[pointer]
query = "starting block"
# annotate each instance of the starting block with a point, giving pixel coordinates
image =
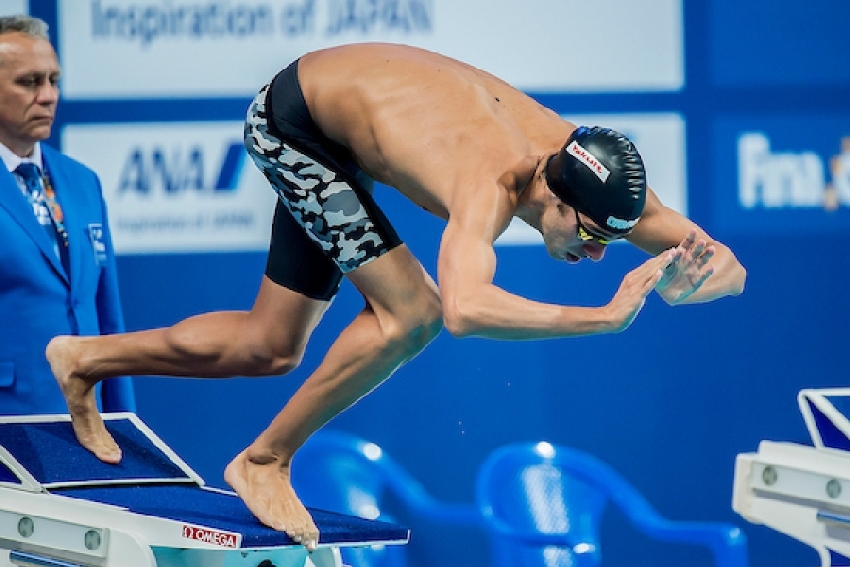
(62, 507)
(800, 490)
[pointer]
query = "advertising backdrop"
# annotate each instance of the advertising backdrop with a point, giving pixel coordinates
(230, 48)
(176, 186)
(742, 112)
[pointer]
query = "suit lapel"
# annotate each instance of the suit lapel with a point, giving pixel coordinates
(20, 209)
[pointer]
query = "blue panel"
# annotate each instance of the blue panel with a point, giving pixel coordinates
(841, 403)
(233, 161)
(838, 560)
(777, 43)
(6, 475)
(50, 453)
(830, 435)
(782, 175)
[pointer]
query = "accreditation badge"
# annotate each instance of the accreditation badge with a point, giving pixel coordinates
(98, 246)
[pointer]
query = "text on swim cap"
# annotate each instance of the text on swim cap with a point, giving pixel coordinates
(585, 157)
(620, 224)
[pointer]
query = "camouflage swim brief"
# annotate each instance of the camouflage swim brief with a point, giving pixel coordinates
(326, 221)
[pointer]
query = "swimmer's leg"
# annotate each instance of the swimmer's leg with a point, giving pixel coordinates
(79, 391)
(402, 315)
(268, 340)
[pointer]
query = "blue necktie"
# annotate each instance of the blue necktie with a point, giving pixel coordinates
(31, 175)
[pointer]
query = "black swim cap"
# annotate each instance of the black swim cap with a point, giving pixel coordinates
(600, 173)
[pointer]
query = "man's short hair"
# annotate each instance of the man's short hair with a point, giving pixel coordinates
(35, 27)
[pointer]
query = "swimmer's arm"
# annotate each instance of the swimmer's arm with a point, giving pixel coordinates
(474, 306)
(661, 228)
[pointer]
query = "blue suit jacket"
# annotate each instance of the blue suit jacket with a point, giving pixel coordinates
(37, 300)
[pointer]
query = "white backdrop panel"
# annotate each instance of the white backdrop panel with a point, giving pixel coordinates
(12, 7)
(176, 187)
(186, 48)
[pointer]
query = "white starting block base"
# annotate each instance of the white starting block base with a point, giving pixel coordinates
(803, 491)
(61, 507)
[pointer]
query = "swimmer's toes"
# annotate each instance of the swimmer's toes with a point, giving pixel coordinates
(102, 445)
(307, 537)
(110, 452)
(105, 451)
(111, 457)
(311, 541)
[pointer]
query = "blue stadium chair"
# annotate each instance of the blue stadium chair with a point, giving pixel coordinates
(543, 506)
(342, 473)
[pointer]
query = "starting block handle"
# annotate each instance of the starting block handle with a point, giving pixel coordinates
(24, 559)
(834, 519)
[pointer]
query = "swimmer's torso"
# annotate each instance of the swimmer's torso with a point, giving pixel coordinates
(426, 124)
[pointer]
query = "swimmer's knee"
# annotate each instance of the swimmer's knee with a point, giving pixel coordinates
(184, 341)
(432, 319)
(266, 357)
(414, 330)
(248, 352)
(417, 336)
(282, 363)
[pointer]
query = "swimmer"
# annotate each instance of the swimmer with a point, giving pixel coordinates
(466, 147)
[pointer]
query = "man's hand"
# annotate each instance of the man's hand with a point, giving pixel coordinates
(631, 296)
(686, 274)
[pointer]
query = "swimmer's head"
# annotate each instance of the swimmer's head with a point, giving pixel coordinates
(600, 173)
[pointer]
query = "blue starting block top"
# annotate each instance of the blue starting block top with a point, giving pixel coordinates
(49, 452)
(225, 511)
(826, 412)
(41, 454)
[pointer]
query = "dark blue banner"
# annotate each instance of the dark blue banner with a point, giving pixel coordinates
(782, 175)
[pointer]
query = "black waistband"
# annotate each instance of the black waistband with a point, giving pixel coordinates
(290, 120)
(287, 107)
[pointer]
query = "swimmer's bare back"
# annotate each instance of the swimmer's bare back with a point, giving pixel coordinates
(422, 122)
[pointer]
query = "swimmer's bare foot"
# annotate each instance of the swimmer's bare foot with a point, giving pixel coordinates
(62, 353)
(263, 484)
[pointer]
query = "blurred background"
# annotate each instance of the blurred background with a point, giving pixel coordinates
(742, 113)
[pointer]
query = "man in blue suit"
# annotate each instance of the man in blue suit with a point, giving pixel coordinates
(57, 266)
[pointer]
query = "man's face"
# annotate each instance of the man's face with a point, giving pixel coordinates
(29, 72)
(570, 236)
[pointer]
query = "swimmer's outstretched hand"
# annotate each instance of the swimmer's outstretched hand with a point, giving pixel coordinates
(631, 296)
(683, 277)
(88, 425)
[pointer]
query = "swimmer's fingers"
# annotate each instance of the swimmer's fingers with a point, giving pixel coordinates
(692, 265)
(631, 296)
(666, 261)
(689, 240)
(704, 275)
(645, 277)
(685, 276)
(654, 269)
(706, 256)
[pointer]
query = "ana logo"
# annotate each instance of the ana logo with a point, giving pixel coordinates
(790, 180)
(178, 169)
(588, 159)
